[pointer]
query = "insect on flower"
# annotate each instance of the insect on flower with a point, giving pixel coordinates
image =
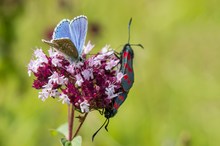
(69, 37)
(126, 61)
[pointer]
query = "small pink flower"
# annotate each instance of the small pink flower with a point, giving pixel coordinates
(88, 74)
(54, 58)
(78, 64)
(64, 98)
(55, 78)
(41, 57)
(106, 51)
(44, 94)
(88, 48)
(79, 80)
(32, 67)
(111, 64)
(110, 91)
(84, 106)
(71, 68)
(96, 61)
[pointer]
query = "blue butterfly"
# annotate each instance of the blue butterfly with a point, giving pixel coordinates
(69, 37)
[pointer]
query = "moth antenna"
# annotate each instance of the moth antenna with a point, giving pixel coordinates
(129, 32)
(129, 26)
(99, 129)
(139, 45)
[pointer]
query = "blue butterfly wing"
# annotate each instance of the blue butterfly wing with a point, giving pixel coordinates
(78, 30)
(62, 30)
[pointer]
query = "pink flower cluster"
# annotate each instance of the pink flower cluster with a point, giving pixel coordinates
(88, 84)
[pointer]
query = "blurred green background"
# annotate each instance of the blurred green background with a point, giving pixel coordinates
(175, 100)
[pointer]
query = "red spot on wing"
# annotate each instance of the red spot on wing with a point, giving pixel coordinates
(126, 65)
(125, 77)
(121, 98)
(125, 54)
(116, 105)
(129, 56)
(129, 82)
(130, 69)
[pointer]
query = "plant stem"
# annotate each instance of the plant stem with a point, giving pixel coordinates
(70, 121)
(83, 119)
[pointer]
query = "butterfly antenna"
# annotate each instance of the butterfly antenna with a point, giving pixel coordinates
(129, 26)
(99, 129)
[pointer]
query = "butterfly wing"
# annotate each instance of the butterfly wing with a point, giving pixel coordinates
(50, 43)
(78, 30)
(61, 40)
(67, 47)
(62, 30)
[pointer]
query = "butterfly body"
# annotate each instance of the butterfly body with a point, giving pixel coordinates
(69, 37)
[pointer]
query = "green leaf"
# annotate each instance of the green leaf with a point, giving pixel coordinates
(68, 143)
(77, 141)
(65, 142)
(62, 129)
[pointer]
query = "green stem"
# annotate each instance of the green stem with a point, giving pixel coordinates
(70, 121)
(83, 119)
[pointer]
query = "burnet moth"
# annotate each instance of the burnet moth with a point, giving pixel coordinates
(126, 61)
